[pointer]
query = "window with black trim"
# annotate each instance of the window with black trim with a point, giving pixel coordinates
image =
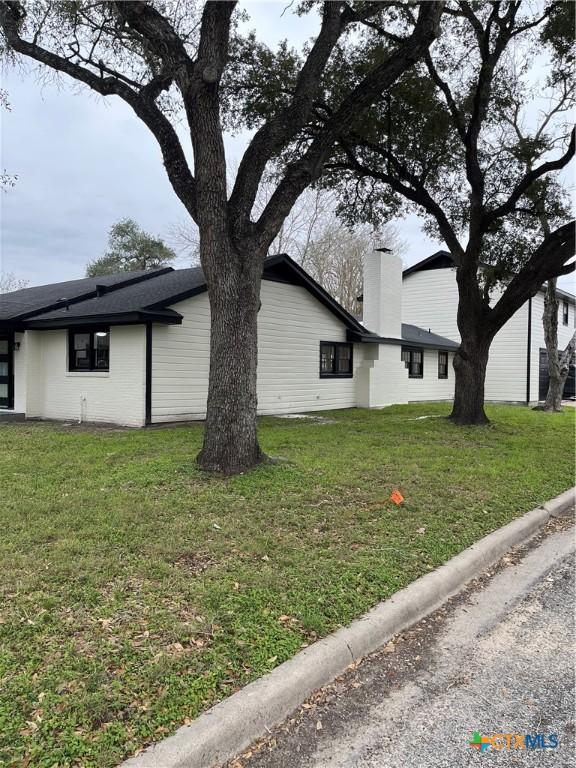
(335, 360)
(565, 312)
(442, 365)
(89, 349)
(413, 358)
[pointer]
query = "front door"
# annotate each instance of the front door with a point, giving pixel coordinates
(6, 371)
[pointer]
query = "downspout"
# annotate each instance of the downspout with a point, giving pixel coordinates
(148, 380)
(529, 351)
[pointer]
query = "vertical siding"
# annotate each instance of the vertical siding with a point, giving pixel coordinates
(117, 396)
(291, 324)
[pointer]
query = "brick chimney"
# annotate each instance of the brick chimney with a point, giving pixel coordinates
(382, 302)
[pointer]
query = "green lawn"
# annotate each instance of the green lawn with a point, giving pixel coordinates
(136, 591)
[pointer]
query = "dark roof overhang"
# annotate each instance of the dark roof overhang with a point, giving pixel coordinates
(166, 317)
(372, 338)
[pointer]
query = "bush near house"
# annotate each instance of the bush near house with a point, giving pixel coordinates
(137, 591)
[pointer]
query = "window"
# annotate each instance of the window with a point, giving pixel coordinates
(89, 349)
(442, 365)
(565, 311)
(335, 360)
(414, 361)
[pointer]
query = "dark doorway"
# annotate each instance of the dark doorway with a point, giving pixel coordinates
(6, 370)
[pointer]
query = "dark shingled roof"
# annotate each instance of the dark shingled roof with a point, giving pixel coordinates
(26, 302)
(138, 297)
(133, 298)
(411, 334)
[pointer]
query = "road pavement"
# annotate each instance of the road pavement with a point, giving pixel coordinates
(498, 659)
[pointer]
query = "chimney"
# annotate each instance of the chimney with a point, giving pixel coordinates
(382, 302)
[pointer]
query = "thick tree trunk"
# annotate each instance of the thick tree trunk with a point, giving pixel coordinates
(230, 436)
(556, 382)
(470, 363)
(471, 359)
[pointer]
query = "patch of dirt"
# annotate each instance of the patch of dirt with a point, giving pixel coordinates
(194, 563)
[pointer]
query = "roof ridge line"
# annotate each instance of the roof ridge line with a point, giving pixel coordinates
(93, 293)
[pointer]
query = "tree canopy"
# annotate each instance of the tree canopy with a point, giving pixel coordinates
(161, 56)
(473, 138)
(130, 249)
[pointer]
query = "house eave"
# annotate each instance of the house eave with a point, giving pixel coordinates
(372, 338)
(122, 318)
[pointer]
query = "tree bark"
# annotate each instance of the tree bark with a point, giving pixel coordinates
(471, 359)
(558, 362)
(553, 400)
(230, 436)
(470, 363)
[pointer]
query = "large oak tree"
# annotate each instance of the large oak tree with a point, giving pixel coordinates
(473, 138)
(158, 56)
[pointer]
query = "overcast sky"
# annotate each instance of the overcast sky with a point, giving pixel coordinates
(83, 162)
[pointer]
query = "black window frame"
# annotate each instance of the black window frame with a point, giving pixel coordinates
(565, 313)
(444, 354)
(334, 374)
(91, 331)
(409, 363)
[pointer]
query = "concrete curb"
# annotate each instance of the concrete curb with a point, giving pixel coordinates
(229, 727)
(563, 505)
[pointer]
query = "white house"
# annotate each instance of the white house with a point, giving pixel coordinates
(517, 367)
(133, 348)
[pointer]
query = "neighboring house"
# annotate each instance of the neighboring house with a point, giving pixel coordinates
(133, 348)
(517, 367)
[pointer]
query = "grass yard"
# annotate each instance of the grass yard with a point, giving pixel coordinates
(137, 592)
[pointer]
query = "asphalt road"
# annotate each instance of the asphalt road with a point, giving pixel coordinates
(498, 659)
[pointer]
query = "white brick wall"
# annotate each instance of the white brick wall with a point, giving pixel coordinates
(52, 392)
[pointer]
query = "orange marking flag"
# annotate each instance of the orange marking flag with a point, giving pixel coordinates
(397, 497)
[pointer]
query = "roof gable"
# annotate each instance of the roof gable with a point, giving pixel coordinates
(444, 260)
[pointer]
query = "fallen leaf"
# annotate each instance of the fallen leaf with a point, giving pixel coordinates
(390, 648)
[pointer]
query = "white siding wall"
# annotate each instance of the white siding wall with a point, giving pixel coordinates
(291, 324)
(20, 372)
(430, 387)
(52, 392)
(430, 300)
